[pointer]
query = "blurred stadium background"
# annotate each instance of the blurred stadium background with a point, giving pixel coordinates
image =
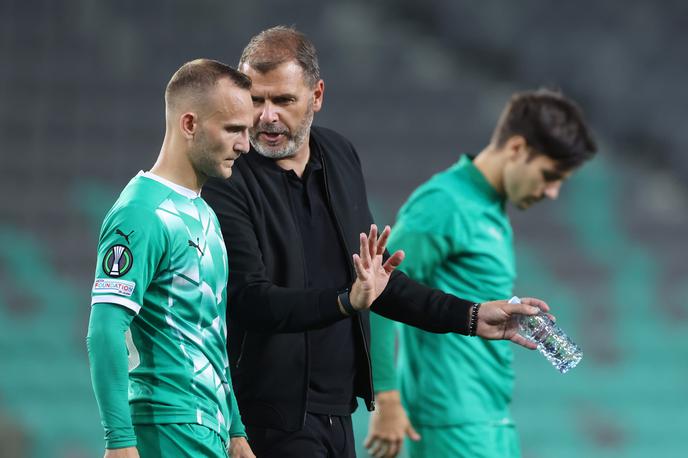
(413, 84)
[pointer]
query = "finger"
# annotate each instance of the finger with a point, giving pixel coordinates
(365, 251)
(382, 451)
(394, 447)
(542, 305)
(412, 433)
(361, 272)
(393, 261)
(518, 309)
(372, 240)
(522, 341)
(382, 241)
(368, 440)
(375, 447)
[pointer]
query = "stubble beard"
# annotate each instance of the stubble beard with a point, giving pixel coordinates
(204, 158)
(294, 142)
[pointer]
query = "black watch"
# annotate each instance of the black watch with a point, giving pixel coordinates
(346, 302)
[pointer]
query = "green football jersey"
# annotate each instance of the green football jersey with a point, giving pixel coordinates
(457, 238)
(161, 254)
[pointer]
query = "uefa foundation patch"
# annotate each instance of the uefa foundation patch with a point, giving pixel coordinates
(121, 287)
(117, 261)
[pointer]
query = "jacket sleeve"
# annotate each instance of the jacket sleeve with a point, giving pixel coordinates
(253, 300)
(412, 303)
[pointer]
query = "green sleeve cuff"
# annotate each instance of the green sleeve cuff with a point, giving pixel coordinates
(236, 427)
(120, 439)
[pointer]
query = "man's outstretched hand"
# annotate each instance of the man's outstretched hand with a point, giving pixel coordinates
(498, 320)
(372, 275)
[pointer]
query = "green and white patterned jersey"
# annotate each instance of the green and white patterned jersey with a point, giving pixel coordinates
(161, 255)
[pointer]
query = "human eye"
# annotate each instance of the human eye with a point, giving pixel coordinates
(550, 176)
(235, 129)
(284, 100)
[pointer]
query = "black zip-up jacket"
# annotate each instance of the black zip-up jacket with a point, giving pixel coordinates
(270, 310)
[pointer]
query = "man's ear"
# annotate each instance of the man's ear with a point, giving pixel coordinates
(188, 124)
(318, 94)
(516, 147)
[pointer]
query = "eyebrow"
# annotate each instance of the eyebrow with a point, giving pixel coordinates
(285, 96)
(236, 127)
(552, 174)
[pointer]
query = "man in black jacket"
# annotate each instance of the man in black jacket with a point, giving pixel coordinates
(292, 214)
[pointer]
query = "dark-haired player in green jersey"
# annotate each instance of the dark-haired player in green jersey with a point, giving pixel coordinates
(457, 237)
(159, 295)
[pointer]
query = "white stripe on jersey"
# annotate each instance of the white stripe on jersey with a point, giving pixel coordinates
(119, 300)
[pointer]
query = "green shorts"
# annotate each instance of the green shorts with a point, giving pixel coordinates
(183, 440)
(470, 441)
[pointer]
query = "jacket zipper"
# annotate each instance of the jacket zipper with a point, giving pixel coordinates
(371, 401)
(340, 232)
(285, 183)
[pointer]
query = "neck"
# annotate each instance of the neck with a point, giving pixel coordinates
(490, 162)
(173, 164)
(298, 161)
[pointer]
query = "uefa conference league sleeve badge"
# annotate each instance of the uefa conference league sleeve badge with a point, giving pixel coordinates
(117, 261)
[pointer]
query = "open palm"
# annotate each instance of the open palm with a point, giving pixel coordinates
(372, 274)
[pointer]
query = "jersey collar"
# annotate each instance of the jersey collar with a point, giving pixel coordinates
(186, 192)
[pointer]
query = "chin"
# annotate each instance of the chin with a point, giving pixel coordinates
(274, 152)
(226, 172)
(221, 172)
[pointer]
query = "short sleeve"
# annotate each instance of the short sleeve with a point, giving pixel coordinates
(131, 247)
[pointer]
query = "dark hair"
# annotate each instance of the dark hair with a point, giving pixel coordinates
(551, 124)
(280, 44)
(199, 75)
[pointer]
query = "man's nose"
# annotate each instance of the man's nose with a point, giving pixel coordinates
(243, 145)
(268, 114)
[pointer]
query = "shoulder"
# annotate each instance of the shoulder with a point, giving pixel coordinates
(323, 134)
(445, 199)
(456, 185)
(143, 194)
(334, 144)
(337, 150)
(138, 204)
(441, 189)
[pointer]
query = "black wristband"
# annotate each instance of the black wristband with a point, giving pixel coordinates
(346, 302)
(473, 324)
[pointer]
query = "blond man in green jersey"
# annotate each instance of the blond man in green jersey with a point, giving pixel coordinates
(457, 237)
(157, 332)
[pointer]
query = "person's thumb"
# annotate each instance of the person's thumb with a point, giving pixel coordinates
(412, 434)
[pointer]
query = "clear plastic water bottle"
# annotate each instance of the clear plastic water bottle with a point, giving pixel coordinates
(552, 342)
